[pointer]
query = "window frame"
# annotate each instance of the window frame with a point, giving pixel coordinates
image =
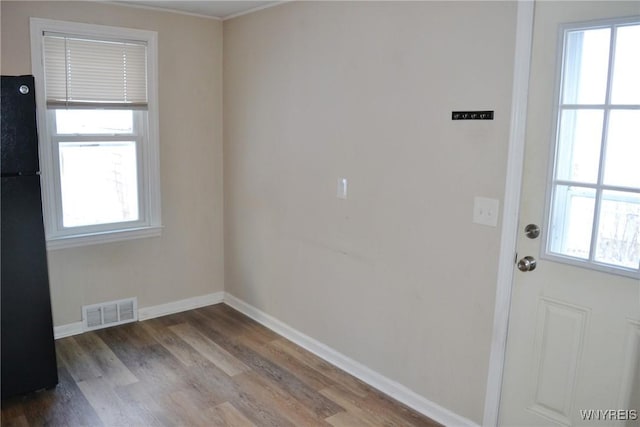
(599, 187)
(147, 144)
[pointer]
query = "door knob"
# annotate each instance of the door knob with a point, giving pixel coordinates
(527, 263)
(532, 231)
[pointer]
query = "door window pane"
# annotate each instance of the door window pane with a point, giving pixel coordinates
(99, 183)
(619, 229)
(626, 68)
(580, 135)
(586, 66)
(595, 188)
(96, 122)
(572, 221)
(622, 161)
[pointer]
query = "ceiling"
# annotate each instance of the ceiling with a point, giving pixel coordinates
(215, 9)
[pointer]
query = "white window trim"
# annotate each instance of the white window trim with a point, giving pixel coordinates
(545, 252)
(152, 224)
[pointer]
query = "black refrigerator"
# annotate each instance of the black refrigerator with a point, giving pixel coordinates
(27, 346)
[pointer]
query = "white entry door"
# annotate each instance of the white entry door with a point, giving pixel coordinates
(573, 346)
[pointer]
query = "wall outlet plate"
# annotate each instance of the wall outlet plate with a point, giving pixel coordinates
(485, 211)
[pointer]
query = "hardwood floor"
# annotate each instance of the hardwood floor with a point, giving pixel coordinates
(212, 367)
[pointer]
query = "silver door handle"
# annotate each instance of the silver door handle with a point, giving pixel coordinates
(527, 263)
(532, 231)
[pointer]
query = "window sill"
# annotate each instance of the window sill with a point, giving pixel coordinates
(104, 237)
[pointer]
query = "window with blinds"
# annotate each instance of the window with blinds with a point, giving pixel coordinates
(94, 73)
(96, 92)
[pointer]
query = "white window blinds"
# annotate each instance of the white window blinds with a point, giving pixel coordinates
(86, 73)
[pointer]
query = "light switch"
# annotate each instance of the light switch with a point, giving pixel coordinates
(485, 211)
(342, 188)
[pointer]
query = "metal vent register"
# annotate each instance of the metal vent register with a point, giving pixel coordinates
(110, 313)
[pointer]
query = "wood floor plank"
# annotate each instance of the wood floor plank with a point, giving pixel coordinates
(169, 320)
(270, 391)
(363, 409)
(243, 325)
(255, 329)
(161, 372)
(231, 417)
(379, 402)
(182, 351)
(237, 330)
(192, 414)
(149, 361)
(112, 368)
(231, 328)
(79, 364)
(60, 406)
(209, 349)
(112, 410)
(207, 385)
(335, 374)
(127, 335)
(353, 408)
(212, 367)
(140, 396)
(347, 419)
(260, 414)
(304, 372)
(70, 406)
(247, 401)
(322, 406)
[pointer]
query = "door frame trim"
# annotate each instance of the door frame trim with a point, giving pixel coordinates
(511, 209)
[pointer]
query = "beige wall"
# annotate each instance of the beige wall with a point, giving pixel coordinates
(396, 277)
(187, 260)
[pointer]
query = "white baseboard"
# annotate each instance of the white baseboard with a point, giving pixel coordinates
(178, 306)
(146, 313)
(68, 330)
(358, 370)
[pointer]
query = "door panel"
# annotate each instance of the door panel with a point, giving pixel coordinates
(558, 346)
(573, 341)
(630, 390)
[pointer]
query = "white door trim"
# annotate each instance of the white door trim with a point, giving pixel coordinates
(511, 209)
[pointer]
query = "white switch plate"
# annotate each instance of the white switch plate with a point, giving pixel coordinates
(342, 188)
(485, 211)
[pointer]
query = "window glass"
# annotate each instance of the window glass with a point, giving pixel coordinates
(579, 138)
(573, 221)
(585, 66)
(98, 122)
(99, 182)
(622, 167)
(626, 69)
(619, 229)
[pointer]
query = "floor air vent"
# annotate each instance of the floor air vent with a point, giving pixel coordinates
(111, 313)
